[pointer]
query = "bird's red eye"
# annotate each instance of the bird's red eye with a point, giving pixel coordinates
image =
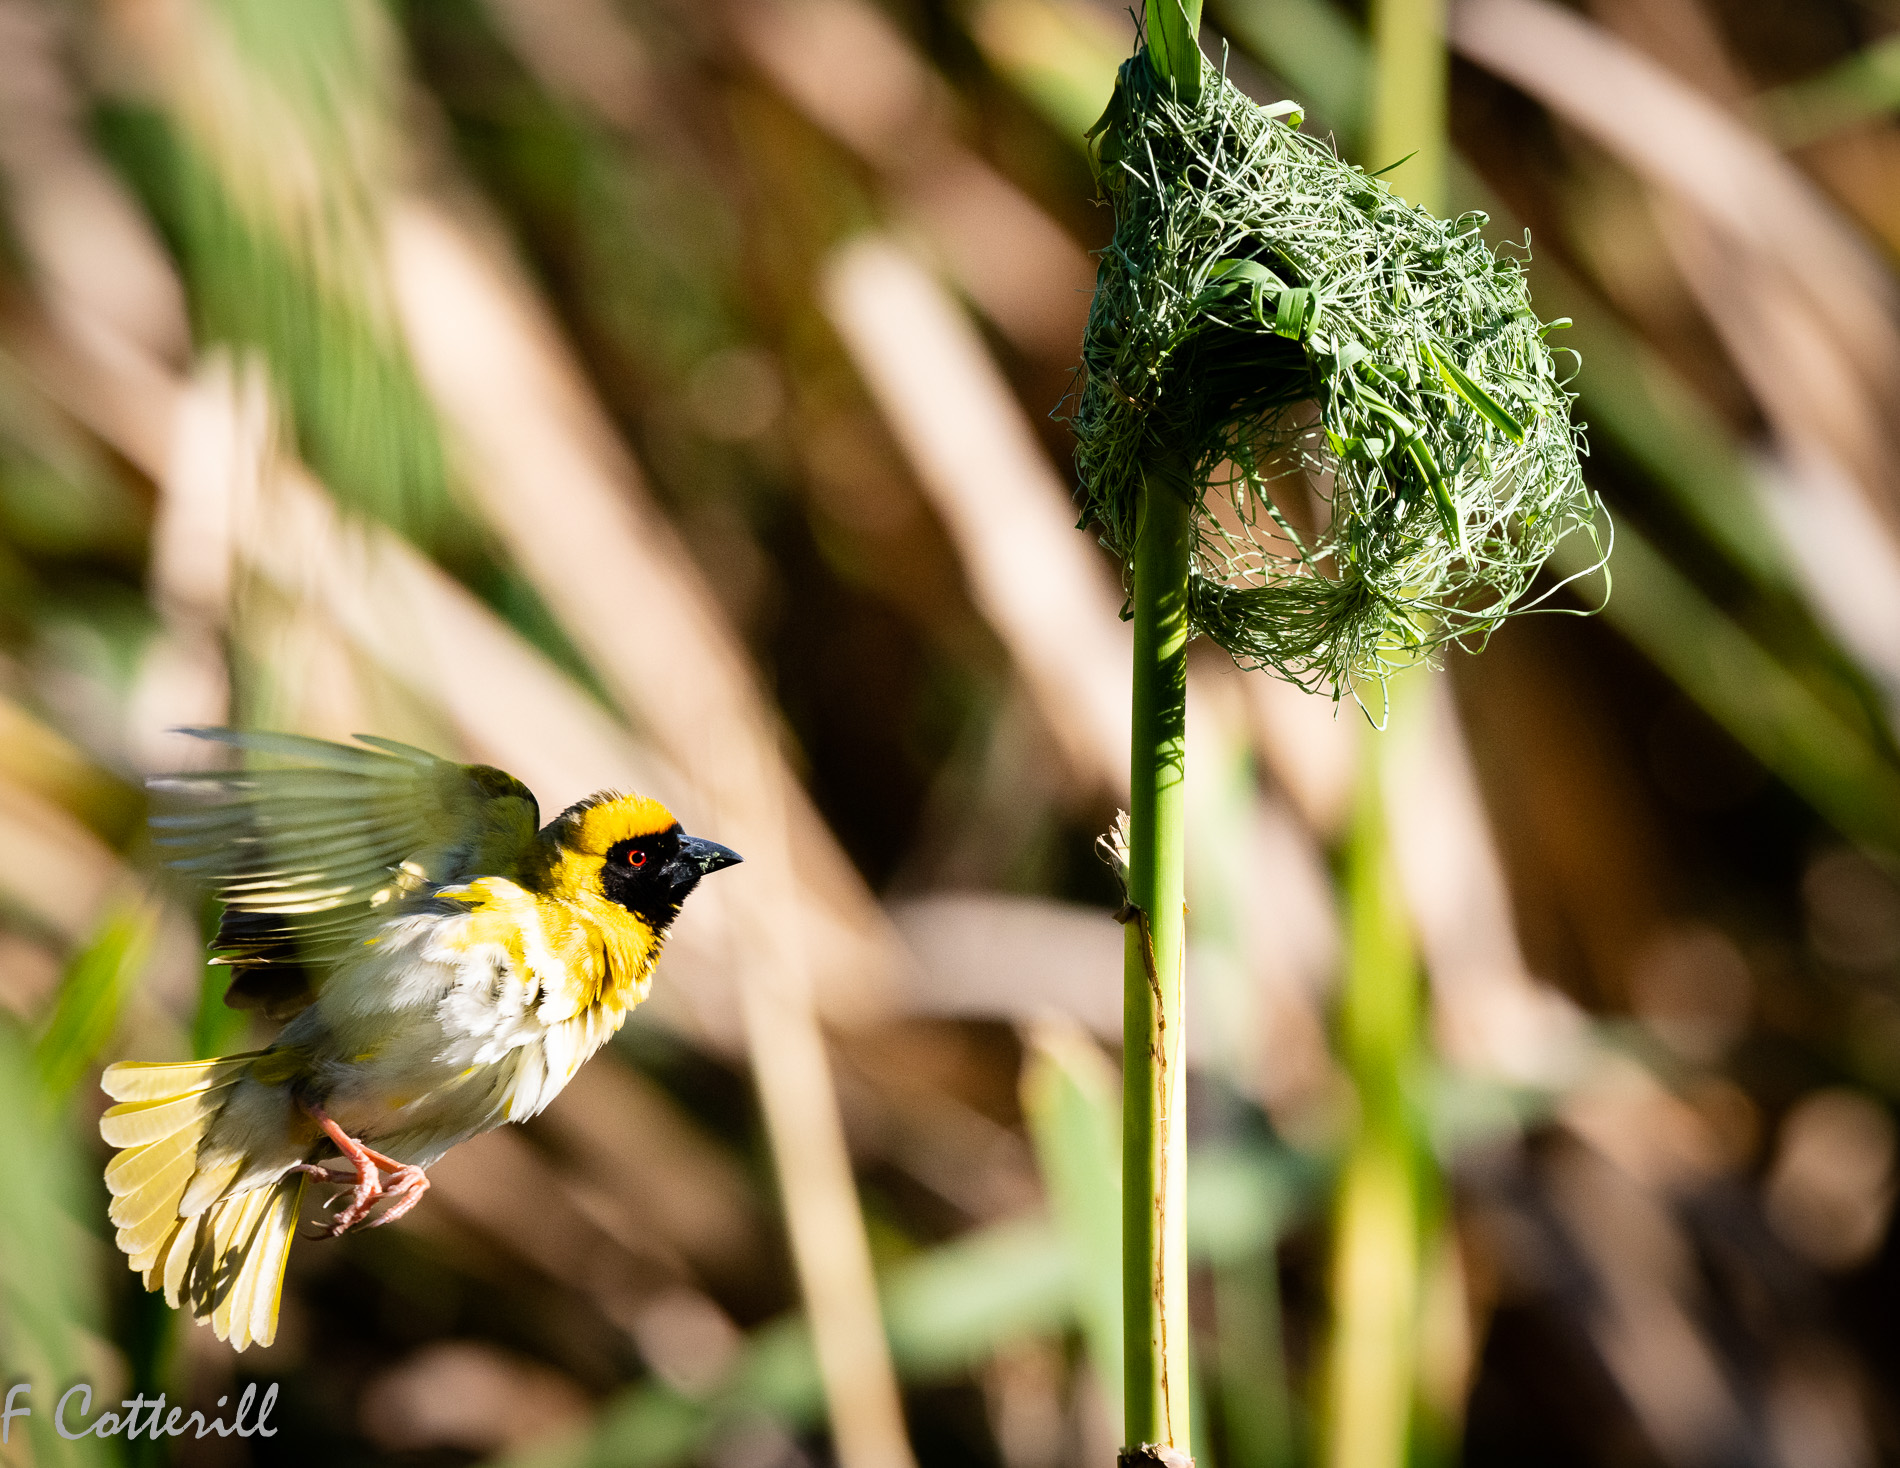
(636, 858)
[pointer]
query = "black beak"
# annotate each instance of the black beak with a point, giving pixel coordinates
(706, 856)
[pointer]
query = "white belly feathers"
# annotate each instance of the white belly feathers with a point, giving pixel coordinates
(474, 1036)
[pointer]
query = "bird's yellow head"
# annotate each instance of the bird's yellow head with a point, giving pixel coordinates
(630, 850)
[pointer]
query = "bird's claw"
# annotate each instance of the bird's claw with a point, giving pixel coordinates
(369, 1187)
(407, 1182)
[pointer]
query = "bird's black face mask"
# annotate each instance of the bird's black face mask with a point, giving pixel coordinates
(651, 875)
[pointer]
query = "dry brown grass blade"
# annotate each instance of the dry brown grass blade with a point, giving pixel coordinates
(822, 1214)
(1645, 1324)
(849, 69)
(1490, 1014)
(582, 50)
(1587, 852)
(1832, 429)
(987, 955)
(1845, 557)
(621, 583)
(300, 151)
(503, 1186)
(577, 1234)
(660, 1172)
(218, 450)
(95, 258)
(44, 762)
(1681, 140)
(1826, 431)
(1686, 145)
(52, 868)
(212, 516)
(1312, 744)
(992, 956)
(510, 704)
(1264, 923)
(1048, 595)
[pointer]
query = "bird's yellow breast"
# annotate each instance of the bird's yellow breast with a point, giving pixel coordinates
(581, 950)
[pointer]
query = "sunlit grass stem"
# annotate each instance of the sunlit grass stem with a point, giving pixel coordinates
(1154, 1082)
(1371, 1360)
(1411, 75)
(1154, 1130)
(1378, 1219)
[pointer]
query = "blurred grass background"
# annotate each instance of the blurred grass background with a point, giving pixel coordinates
(659, 394)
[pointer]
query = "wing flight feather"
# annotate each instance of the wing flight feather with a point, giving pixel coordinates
(307, 846)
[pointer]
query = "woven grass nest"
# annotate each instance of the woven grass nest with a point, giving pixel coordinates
(1355, 394)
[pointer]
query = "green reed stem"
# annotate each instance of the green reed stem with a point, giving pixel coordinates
(1378, 1211)
(1376, 1222)
(1154, 1132)
(1411, 73)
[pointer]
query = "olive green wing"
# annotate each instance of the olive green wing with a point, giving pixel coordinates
(308, 845)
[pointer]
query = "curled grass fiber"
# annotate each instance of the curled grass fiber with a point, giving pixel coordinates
(1355, 394)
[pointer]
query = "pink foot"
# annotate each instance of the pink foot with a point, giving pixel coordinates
(407, 1184)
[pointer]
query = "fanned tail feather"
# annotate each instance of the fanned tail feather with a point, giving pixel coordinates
(226, 1259)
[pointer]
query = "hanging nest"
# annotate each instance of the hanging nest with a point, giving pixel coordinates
(1355, 395)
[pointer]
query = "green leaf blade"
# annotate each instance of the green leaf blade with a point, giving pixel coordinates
(1487, 407)
(1172, 48)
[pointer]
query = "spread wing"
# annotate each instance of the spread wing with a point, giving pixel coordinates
(308, 846)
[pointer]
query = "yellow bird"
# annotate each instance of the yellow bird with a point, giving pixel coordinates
(444, 965)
